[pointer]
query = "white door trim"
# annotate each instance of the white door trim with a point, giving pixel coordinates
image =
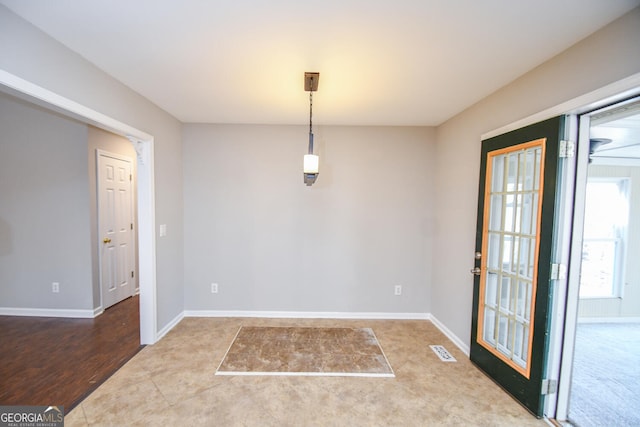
(573, 279)
(144, 143)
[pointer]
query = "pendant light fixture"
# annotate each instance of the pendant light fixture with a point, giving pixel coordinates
(311, 161)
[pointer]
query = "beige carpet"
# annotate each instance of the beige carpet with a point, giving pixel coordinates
(305, 351)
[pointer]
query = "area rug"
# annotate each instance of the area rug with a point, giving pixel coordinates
(349, 352)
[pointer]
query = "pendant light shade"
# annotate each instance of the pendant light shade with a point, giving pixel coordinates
(311, 162)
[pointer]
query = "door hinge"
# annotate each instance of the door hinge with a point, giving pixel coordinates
(130, 177)
(132, 226)
(132, 274)
(549, 387)
(567, 149)
(558, 272)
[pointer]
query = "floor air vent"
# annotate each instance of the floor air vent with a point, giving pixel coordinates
(442, 353)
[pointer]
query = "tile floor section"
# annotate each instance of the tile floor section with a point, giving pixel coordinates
(173, 383)
(268, 350)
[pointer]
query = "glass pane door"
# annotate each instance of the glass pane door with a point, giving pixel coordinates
(507, 285)
(512, 267)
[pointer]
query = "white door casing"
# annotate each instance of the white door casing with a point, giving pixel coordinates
(115, 227)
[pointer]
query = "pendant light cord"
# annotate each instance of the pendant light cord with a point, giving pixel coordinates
(311, 111)
(311, 118)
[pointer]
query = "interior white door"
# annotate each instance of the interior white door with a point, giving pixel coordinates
(115, 227)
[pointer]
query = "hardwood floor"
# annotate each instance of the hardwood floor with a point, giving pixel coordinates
(59, 361)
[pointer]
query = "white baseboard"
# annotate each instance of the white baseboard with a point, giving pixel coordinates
(464, 347)
(169, 326)
(50, 312)
(608, 319)
(306, 315)
(453, 337)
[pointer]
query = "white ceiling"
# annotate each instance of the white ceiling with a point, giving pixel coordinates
(381, 62)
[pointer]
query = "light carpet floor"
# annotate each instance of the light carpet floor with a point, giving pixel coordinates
(173, 383)
(605, 388)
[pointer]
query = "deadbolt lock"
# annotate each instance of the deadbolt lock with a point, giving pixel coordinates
(478, 255)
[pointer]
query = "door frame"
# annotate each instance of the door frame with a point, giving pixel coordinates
(573, 285)
(144, 145)
(573, 276)
(134, 280)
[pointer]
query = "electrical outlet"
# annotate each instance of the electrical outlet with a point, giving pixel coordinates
(55, 287)
(214, 288)
(397, 290)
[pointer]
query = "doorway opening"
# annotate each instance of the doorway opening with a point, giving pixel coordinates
(603, 385)
(144, 146)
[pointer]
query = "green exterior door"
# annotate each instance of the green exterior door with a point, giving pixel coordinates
(514, 242)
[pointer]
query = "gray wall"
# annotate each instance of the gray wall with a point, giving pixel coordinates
(30, 54)
(273, 244)
(608, 55)
(44, 209)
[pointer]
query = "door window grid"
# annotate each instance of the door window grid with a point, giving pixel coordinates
(512, 230)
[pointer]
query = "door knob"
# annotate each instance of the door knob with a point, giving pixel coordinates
(106, 240)
(476, 271)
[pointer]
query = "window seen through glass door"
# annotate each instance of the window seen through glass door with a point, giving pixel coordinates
(605, 233)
